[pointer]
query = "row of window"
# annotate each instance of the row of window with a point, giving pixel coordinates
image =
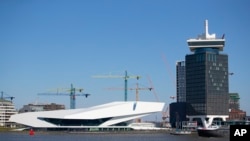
(76, 122)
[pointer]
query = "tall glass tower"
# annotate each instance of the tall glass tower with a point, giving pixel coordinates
(207, 78)
(180, 81)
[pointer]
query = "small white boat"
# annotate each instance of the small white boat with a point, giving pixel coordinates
(184, 128)
(180, 132)
(213, 131)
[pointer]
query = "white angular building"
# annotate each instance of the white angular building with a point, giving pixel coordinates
(110, 115)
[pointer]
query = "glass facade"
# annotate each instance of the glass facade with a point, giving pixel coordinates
(207, 82)
(76, 122)
(208, 43)
(181, 81)
(177, 112)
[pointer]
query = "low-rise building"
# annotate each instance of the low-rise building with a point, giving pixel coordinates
(237, 114)
(7, 109)
(41, 107)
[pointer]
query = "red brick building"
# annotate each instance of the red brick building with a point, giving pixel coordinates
(237, 114)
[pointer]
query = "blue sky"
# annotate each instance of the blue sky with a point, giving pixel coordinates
(50, 44)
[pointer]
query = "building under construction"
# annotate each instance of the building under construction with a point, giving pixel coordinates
(235, 113)
(7, 109)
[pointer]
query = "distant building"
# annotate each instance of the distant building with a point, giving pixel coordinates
(41, 107)
(7, 109)
(237, 114)
(177, 110)
(234, 101)
(181, 81)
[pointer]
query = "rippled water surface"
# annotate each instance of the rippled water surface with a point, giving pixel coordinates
(65, 136)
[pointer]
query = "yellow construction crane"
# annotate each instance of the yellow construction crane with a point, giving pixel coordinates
(136, 89)
(125, 77)
(137, 94)
(151, 84)
(165, 112)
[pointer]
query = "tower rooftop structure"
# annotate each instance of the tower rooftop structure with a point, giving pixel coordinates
(206, 40)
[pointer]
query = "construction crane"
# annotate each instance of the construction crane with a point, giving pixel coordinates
(172, 97)
(168, 69)
(8, 97)
(72, 95)
(137, 94)
(152, 86)
(165, 112)
(125, 77)
(136, 89)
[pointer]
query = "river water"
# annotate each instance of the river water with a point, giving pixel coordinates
(65, 136)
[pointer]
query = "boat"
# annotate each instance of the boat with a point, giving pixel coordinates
(180, 132)
(221, 129)
(213, 131)
(185, 128)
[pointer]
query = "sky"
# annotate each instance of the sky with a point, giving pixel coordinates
(47, 45)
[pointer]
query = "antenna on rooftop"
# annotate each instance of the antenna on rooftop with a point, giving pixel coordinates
(206, 29)
(206, 34)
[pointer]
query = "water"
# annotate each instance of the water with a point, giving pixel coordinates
(64, 136)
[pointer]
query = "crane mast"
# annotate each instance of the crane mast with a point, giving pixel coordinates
(72, 95)
(139, 88)
(125, 77)
(8, 97)
(136, 90)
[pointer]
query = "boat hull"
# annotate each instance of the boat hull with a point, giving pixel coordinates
(181, 132)
(219, 132)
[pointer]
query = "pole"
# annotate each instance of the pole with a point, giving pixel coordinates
(137, 92)
(72, 97)
(126, 86)
(1, 94)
